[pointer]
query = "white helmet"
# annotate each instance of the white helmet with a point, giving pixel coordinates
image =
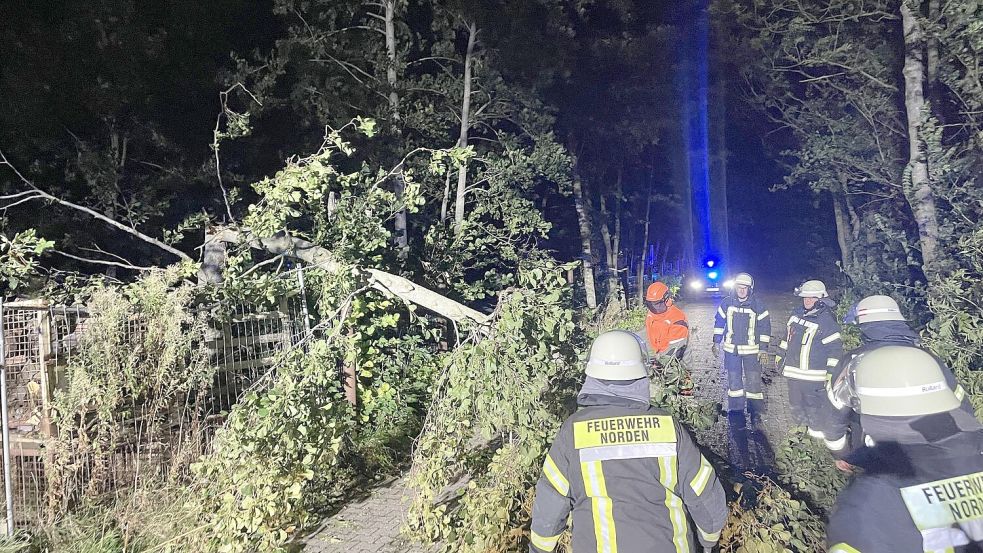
(895, 381)
(617, 355)
(812, 289)
(744, 279)
(873, 309)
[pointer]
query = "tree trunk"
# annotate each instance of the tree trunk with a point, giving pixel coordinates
(842, 228)
(447, 197)
(585, 239)
(387, 283)
(932, 51)
(855, 226)
(610, 235)
(606, 234)
(615, 279)
(214, 253)
(645, 240)
(399, 179)
(919, 193)
(462, 174)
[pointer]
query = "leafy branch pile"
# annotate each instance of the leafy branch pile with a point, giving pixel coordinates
(806, 467)
(496, 406)
(672, 390)
(764, 518)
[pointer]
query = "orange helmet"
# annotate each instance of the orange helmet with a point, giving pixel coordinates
(657, 291)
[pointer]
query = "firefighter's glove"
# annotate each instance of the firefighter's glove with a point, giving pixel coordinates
(763, 357)
(715, 348)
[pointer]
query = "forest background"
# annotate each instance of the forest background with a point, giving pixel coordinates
(481, 150)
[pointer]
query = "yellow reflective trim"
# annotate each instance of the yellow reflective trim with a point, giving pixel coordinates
(751, 324)
(555, 477)
(677, 516)
(601, 506)
(546, 543)
(764, 339)
(755, 395)
(735, 393)
(831, 361)
(728, 338)
(836, 445)
(843, 548)
(639, 429)
(707, 535)
(763, 315)
(831, 338)
(815, 375)
(702, 477)
(959, 392)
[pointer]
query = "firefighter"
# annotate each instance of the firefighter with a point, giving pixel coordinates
(629, 472)
(665, 324)
(742, 325)
(809, 355)
(881, 324)
(926, 494)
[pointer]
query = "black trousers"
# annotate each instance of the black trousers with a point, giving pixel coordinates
(743, 382)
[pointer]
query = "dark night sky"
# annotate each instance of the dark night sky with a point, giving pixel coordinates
(46, 89)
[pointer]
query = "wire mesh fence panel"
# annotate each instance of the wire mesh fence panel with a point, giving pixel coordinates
(25, 365)
(150, 440)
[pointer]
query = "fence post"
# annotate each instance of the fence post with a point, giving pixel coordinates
(303, 300)
(45, 354)
(7, 483)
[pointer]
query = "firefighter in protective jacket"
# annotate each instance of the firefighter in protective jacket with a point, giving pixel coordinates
(809, 356)
(665, 325)
(881, 325)
(742, 325)
(926, 493)
(629, 473)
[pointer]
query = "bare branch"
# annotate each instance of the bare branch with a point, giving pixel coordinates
(97, 249)
(104, 262)
(223, 100)
(41, 194)
(277, 259)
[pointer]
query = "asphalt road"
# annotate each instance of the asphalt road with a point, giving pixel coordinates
(733, 437)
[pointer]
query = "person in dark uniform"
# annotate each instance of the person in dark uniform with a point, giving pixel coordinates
(628, 472)
(926, 491)
(741, 326)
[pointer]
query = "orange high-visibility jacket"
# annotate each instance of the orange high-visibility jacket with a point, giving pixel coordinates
(666, 330)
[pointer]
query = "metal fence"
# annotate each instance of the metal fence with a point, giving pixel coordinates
(37, 345)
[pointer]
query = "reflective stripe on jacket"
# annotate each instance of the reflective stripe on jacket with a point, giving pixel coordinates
(742, 326)
(812, 346)
(630, 475)
(836, 435)
(926, 497)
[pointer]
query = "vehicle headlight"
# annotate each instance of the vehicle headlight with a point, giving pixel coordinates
(728, 284)
(696, 284)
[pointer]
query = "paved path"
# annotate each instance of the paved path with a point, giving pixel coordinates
(372, 524)
(732, 438)
(368, 525)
